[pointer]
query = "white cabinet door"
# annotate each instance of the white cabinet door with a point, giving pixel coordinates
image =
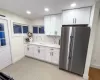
(68, 17)
(53, 24)
(82, 16)
(25, 49)
(36, 52)
(42, 53)
(55, 56)
(30, 50)
(58, 25)
(76, 16)
(47, 25)
(48, 54)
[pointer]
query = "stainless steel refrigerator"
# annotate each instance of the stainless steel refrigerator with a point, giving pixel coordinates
(74, 45)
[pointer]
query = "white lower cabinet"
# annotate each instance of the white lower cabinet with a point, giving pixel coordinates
(47, 54)
(52, 55)
(30, 49)
(55, 56)
(36, 53)
(41, 53)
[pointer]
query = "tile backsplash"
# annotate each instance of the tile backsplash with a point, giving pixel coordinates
(42, 38)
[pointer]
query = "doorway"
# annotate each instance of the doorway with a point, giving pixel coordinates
(5, 51)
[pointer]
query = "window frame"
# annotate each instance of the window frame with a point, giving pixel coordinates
(14, 29)
(3, 36)
(38, 26)
(37, 29)
(19, 34)
(22, 29)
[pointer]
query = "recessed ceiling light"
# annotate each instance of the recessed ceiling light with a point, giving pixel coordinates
(73, 4)
(28, 12)
(46, 9)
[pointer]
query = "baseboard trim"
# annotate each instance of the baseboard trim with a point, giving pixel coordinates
(42, 60)
(95, 66)
(16, 60)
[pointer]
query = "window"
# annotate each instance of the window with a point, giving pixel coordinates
(35, 29)
(38, 29)
(41, 29)
(3, 42)
(1, 27)
(17, 28)
(25, 29)
(2, 35)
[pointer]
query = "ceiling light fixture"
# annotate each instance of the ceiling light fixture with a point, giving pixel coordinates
(28, 12)
(46, 9)
(73, 5)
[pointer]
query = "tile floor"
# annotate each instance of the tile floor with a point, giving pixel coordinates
(30, 69)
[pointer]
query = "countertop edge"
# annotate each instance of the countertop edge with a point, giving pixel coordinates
(43, 45)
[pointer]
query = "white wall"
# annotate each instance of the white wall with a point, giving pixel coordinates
(93, 23)
(39, 21)
(95, 62)
(17, 46)
(96, 50)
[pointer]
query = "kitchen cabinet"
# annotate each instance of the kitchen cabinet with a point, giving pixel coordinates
(30, 49)
(36, 52)
(55, 56)
(76, 16)
(68, 17)
(47, 54)
(58, 25)
(41, 53)
(47, 25)
(53, 24)
(52, 55)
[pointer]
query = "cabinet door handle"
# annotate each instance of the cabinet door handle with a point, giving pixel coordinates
(55, 32)
(38, 51)
(28, 48)
(75, 20)
(52, 53)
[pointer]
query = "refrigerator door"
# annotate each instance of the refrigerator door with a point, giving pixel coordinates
(79, 52)
(65, 45)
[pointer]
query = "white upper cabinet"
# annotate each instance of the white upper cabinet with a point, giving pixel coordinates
(47, 25)
(76, 16)
(58, 25)
(68, 17)
(53, 24)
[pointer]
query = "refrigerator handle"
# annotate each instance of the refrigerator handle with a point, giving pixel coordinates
(71, 46)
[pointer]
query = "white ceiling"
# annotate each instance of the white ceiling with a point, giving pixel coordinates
(37, 6)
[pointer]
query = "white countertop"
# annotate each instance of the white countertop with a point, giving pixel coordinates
(45, 44)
